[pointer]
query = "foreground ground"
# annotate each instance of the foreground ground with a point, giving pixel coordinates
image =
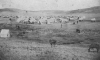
(13, 49)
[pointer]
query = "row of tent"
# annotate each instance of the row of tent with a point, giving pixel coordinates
(53, 19)
(43, 20)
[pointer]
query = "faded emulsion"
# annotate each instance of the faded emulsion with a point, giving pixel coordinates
(49, 29)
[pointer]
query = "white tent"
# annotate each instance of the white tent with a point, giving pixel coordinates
(5, 33)
(32, 20)
(19, 19)
(93, 19)
(42, 20)
(64, 20)
(52, 20)
(82, 18)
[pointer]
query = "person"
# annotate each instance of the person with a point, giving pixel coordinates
(18, 27)
(78, 30)
(61, 25)
(39, 23)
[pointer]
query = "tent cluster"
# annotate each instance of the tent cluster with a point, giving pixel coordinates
(47, 19)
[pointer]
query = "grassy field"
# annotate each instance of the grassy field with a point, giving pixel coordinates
(35, 46)
(24, 50)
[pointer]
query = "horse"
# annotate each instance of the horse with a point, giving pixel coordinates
(52, 42)
(92, 46)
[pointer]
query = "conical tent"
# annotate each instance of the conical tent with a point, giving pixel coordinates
(5, 33)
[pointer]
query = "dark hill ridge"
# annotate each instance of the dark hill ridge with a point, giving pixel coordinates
(10, 10)
(95, 9)
(7, 10)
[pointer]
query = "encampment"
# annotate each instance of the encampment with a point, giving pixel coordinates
(5, 33)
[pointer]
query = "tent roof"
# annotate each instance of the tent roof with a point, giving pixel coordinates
(4, 31)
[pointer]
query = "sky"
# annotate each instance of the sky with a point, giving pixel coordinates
(35, 5)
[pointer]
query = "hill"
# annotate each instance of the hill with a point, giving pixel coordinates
(95, 9)
(10, 10)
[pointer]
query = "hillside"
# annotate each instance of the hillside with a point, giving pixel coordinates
(10, 10)
(87, 10)
(93, 11)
